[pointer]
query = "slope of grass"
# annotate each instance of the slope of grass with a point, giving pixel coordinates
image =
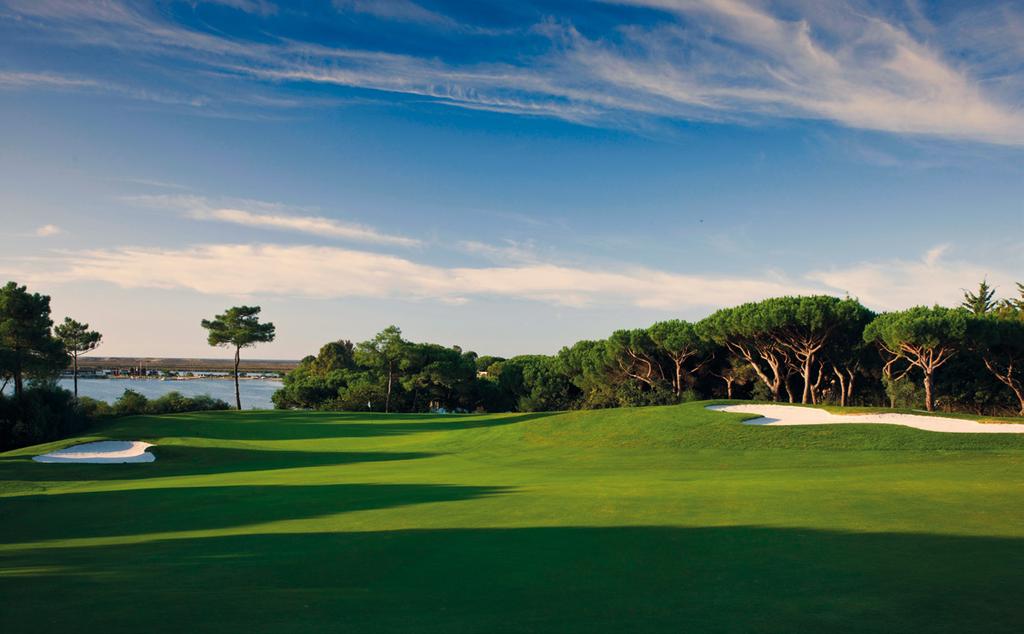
(655, 519)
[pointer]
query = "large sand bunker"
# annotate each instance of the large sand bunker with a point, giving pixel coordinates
(792, 415)
(102, 452)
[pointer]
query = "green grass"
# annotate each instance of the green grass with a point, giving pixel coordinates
(659, 519)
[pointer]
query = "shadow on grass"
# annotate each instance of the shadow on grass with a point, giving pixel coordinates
(291, 425)
(146, 511)
(561, 579)
(179, 460)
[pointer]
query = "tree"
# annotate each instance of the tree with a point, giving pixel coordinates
(999, 341)
(384, 352)
(27, 347)
(1014, 303)
(238, 327)
(847, 354)
(681, 342)
(925, 338)
(733, 371)
(77, 340)
(742, 331)
(981, 302)
(804, 327)
(635, 354)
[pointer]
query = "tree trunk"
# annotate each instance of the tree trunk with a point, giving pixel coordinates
(679, 377)
(387, 399)
(774, 384)
(929, 397)
(842, 385)
(1007, 377)
(816, 387)
(728, 388)
(74, 358)
(807, 379)
(789, 390)
(238, 394)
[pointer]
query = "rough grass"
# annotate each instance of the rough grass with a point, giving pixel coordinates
(655, 519)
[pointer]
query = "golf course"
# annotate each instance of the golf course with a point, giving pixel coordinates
(671, 518)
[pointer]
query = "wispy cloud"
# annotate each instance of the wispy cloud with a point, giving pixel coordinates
(257, 7)
(507, 251)
(47, 231)
(402, 10)
(12, 79)
(259, 214)
(898, 282)
(718, 60)
(308, 271)
(304, 271)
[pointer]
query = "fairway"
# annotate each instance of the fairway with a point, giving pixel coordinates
(668, 519)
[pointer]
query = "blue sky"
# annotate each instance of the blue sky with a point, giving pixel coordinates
(509, 177)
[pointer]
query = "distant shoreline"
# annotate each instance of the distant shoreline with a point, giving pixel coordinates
(185, 364)
(126, 377)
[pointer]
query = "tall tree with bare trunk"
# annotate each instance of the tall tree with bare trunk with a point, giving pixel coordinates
(238, 327)
(684, 346)
(77, 340)
(999, 341)
(925, 338)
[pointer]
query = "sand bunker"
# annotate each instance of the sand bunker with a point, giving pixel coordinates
(792, 415)
(103, 452)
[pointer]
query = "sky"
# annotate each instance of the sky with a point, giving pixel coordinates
(510, 177)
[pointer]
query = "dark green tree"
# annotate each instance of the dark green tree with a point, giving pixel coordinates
(999, 341)
(384, 353)
(1014, 303)
(77, 340)
(684, 346)
(636, 355)
(982, 301)
(27, 347)
(238, 327)
(734, 330)
(925, 338)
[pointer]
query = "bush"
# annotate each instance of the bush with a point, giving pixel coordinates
(94, 408)
(45, 412)
(904, 393)
(132, 403)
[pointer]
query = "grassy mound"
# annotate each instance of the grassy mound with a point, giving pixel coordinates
(655, 519)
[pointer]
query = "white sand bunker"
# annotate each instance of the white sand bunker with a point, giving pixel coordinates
(103, 452)
(792, 415)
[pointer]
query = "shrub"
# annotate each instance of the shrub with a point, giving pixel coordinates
(131, 403)
(94, 408)
(45, 412)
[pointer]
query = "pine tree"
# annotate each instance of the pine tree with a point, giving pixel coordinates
(981, 302)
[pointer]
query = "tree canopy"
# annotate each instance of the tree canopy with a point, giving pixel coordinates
(927, 338)
(238, 327)
(77, 340)
(27, 345)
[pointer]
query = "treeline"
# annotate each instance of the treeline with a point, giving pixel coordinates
(815, 349)
(132, 403)
(33, 352)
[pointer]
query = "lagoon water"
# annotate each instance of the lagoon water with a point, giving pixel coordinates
(255, 393)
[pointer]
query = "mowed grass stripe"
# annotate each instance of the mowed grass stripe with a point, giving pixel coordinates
(654, 519)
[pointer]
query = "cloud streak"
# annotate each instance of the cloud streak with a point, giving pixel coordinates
(319, 272)
(714, 60)
(263, 215)
(330, 273)
(900, 282)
